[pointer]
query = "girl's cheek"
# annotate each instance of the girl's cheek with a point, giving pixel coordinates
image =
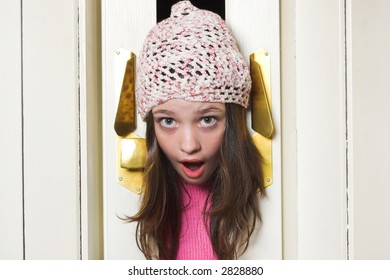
(216, 143)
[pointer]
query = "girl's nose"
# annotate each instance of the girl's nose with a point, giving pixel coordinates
(189, 143)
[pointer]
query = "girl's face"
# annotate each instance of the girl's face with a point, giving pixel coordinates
(190, 134)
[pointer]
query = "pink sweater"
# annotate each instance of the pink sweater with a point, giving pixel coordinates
(195, 243)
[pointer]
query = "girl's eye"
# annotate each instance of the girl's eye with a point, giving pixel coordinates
(208, 121)
(167, 122)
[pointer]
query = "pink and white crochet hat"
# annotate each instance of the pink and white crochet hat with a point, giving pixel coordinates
(192, 55)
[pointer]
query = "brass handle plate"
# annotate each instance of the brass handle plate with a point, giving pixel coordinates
(262, 123)
(131, 149)
(125, 121)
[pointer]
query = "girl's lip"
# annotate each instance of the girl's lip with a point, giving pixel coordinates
(193, 174)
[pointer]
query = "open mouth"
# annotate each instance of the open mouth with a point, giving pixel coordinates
(193, 166)
(193, 169)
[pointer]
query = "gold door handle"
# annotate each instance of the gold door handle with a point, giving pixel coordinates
(131, 149)
(262, 122)
(125, 120)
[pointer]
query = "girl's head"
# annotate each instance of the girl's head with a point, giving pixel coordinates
(193, 56)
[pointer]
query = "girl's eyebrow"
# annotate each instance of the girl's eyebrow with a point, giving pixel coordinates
(210, 109)
(164, 112)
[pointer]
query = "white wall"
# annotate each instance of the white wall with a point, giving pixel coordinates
(44, 117)
(11, 165)
(369, 130)
(335, 138)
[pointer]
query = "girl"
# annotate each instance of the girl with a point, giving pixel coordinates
(203, 170)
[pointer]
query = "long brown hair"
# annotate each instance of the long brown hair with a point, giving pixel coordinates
(234, 207)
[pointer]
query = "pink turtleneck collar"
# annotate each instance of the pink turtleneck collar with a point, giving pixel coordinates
(195, 243)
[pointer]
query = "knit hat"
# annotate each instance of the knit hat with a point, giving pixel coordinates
(192, 55)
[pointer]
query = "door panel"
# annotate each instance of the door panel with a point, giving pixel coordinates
(125, 25)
